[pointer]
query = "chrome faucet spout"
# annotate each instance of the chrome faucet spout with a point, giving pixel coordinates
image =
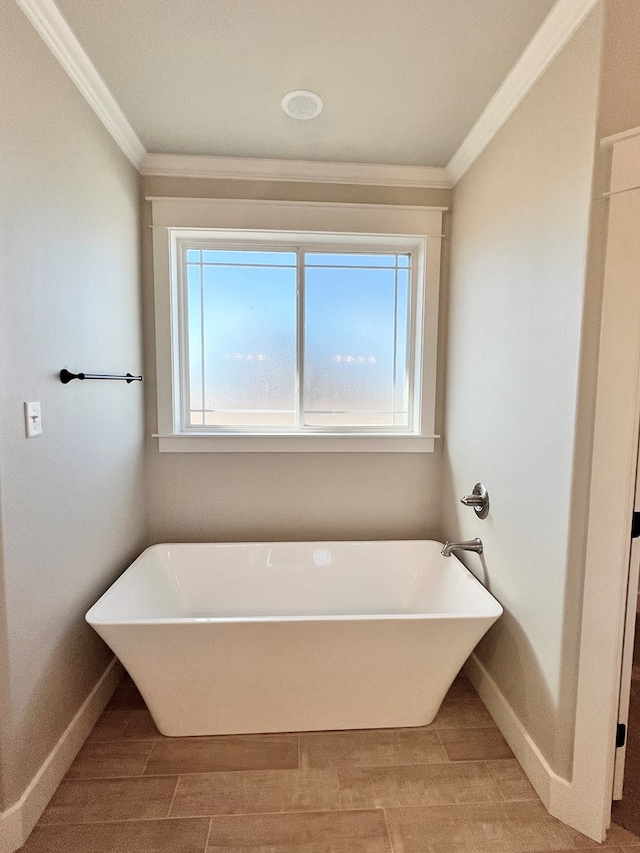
(474, 545)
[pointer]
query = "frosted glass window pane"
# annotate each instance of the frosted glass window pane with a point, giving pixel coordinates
(346, 260)
(194, 320)
(240, 338)
(247, 348)
(218, 256)
(254, 419)
(350, 345)
(402, 349)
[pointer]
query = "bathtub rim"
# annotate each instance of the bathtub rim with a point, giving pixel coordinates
(492, 613)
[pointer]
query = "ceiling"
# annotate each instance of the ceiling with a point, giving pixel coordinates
(403, 81)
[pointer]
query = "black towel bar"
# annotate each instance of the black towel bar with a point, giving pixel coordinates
(66, 376)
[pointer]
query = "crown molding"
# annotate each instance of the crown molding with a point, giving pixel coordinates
(57, 35)
(305, 171)
(561, 23)
(556, 30)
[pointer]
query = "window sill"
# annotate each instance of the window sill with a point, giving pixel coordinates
(296, 443)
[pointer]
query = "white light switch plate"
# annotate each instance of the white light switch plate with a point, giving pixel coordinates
(32, 420)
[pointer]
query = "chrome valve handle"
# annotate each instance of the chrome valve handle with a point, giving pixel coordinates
(478, 499)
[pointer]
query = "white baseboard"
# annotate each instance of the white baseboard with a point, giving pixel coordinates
(17, 822)
(553, 790)
(570, 802)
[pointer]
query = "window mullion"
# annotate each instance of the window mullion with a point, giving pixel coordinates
(203, 345)
(394, 396)
(183, 340)
(300, 340)
(414, 347)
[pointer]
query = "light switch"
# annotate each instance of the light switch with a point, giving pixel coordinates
(33, 420)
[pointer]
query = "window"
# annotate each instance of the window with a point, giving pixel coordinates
(293, 339)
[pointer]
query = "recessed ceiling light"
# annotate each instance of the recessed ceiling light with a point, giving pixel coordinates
(302, 104)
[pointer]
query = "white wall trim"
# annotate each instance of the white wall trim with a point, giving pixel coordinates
(17, 822)
(610, 141)
(57, 35)
(560, 24)
(534, 764)
(268, 221)
(206, 443)
(613, 479)
(299, 171)
(570, 802)
(625, 165)
(173, 203)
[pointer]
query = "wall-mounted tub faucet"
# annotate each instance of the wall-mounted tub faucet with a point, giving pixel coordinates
(474, 545)
(478, 499)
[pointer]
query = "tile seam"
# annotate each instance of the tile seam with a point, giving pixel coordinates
(206, 841)
(443, 747)
(172, 818)
(170, 773)
(175, 791)
(153, 746)
(388, 831)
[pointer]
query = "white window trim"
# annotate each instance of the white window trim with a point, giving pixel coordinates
(326, 221)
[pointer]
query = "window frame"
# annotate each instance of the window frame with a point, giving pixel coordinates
(335, 227)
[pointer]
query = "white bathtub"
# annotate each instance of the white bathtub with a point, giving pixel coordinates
(272, 637)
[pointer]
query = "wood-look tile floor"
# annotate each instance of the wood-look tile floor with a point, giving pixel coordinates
(450, 787)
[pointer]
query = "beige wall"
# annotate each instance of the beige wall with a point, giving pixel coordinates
(517, 296)
(619, 99)
(220, 496)
(71, 502)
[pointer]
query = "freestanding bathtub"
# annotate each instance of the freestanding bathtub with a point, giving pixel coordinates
(272, 637)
